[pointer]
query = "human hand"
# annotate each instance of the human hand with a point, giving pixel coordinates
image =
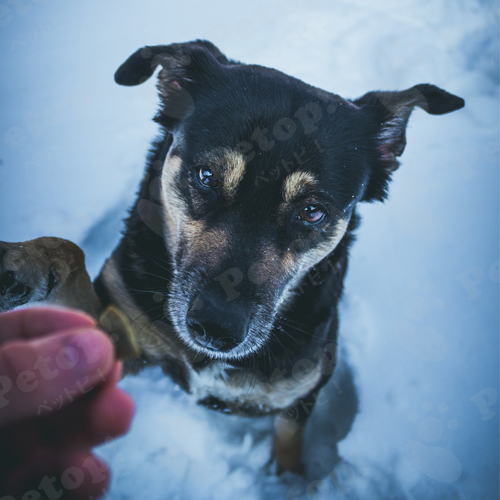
(58, 399)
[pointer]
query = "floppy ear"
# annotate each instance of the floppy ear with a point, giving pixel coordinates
(388, 112)
(143, 62)
(182, 65)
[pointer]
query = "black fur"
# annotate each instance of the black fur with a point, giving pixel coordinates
(281, 125)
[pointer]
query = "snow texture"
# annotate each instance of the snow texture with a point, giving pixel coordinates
(419, 319)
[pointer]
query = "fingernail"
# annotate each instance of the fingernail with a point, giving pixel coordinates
(116, 372)
(86, 354)
(92, 345)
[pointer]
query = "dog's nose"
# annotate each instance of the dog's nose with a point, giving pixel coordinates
(211, 335)
(215, 326)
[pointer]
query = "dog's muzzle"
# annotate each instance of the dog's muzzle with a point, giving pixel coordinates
(215, 324)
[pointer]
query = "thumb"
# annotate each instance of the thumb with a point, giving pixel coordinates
(39, 376)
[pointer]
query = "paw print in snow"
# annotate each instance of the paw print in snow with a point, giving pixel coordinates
(436, 462)
(422, 340)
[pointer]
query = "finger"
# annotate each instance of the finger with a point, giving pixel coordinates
(72, 475)
(37, 321)
(96, 417)
(104, 415)
(109, 415)
(116, 373)
(42, 375)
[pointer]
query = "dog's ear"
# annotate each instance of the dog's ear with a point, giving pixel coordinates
(182, 65)
(143, 62)
(388, 112)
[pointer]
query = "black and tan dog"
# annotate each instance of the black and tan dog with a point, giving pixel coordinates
(233, 257)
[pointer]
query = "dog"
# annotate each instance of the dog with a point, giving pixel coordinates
(233, 258)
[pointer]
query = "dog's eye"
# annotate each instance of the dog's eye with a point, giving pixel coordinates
(312, 214)
(207, 178)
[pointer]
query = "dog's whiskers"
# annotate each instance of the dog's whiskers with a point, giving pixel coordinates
(282, 330)
(301, 330)
(284, 350)
(159, 276)
(146, 312)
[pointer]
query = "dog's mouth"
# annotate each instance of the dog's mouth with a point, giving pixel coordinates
(213, 349)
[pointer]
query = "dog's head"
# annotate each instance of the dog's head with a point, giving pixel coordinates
(260, 182)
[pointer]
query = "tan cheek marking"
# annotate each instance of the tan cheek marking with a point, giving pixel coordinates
(317, 254)
(174, 209)
(179, 226)
(311, 258)
(234, 173)
(289, 262)
(295, 184)
(192, 232)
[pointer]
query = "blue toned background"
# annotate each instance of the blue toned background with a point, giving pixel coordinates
(419, 320)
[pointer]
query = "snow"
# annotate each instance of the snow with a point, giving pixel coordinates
(419, 319)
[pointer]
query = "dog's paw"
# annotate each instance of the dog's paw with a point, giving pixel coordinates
(26, 274)
(12, 292)
(278, 466)
(45, 270)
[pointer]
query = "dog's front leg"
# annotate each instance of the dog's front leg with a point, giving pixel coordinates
(45, 270)
(287, 445)
(289, 435)
(52, 271)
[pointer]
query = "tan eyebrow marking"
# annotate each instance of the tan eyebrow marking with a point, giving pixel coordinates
(234, 172)
(228, 166)
(296, 183)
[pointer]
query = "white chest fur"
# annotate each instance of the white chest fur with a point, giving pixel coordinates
(240, 388)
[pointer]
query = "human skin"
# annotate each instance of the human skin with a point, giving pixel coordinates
(58, 399)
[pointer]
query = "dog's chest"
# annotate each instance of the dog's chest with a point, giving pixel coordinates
(245, 391)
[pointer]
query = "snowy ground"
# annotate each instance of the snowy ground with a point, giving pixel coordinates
(419, 320)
